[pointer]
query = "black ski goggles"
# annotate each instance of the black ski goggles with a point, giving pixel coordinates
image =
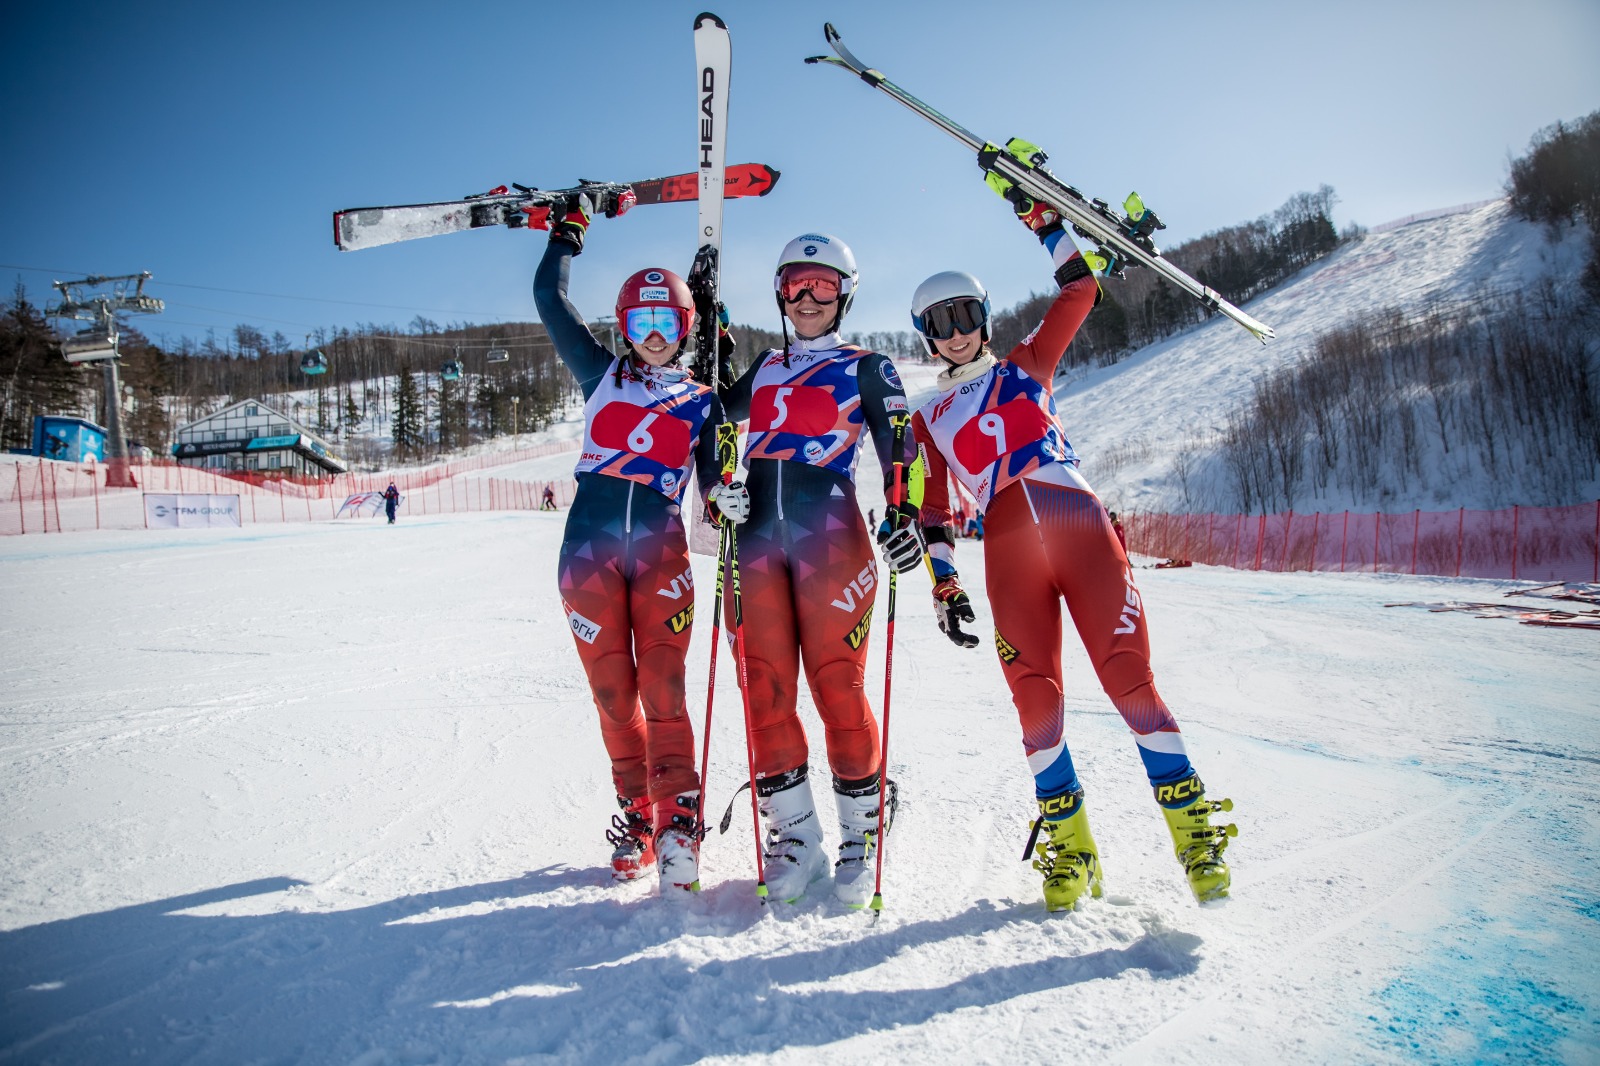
(943, 320)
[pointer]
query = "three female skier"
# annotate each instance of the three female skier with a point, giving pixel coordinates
(624, 574)
(993, 425)
(808, 576)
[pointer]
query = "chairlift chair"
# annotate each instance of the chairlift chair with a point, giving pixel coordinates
(497, 354)
(88, 345)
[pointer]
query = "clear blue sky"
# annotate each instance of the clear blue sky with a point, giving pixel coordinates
(210, 143)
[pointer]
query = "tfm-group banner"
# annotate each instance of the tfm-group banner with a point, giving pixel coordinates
(189, 510)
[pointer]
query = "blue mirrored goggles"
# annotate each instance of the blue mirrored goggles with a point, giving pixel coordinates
(943, 320)
(639, 322)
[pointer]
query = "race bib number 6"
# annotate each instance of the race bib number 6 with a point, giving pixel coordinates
(653, 434)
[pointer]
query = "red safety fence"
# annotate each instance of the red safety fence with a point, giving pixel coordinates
(1519, 543)
(45, 496)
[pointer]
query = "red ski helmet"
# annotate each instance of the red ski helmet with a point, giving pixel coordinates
(658, 289)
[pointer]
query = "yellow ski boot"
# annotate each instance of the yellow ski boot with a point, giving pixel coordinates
(1067, 855)
(1197, 843)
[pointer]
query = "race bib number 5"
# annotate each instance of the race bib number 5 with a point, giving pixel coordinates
(803, 409)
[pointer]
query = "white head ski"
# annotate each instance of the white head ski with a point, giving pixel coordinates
(713, 53)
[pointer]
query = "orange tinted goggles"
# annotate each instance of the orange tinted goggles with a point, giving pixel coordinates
(797, 279)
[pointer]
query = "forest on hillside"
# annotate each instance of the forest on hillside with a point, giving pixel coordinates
(1240, 262)
(1503, 389)
(1503, 392)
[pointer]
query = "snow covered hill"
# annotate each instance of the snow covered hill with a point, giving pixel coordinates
(334, 793)
(1130, 420)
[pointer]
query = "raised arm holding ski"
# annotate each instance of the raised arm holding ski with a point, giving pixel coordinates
(994, 427)
(624, 574)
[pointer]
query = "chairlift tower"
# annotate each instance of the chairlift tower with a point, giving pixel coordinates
(97, 343)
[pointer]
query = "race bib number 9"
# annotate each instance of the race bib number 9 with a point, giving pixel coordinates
(652, 433)
(1008, 428)
(803, 409)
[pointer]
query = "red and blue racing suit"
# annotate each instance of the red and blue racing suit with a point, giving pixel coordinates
(624, 573)
(1047, 539)
(808, 574)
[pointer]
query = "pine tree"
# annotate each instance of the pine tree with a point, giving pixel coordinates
(34, 378)
(352, 413)
(408, 414)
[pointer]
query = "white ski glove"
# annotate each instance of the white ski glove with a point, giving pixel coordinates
(900, 538)
(729, 503)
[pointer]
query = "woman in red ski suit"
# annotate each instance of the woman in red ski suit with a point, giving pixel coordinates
(993, 426)
(807, 574)
(624, 573)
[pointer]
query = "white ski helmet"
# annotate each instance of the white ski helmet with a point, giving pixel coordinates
(949, 286)
(829, 251)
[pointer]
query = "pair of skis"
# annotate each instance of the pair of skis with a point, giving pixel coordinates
(1120, 238)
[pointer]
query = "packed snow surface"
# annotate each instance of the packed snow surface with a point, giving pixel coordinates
(335, 793)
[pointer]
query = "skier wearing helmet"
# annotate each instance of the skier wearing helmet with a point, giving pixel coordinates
(993, 425)
(808, 577)
(624, 573)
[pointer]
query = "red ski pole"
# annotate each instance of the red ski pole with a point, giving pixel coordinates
(724, 536)
(888, 669)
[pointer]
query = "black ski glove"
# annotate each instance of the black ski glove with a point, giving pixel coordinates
(569, 220)
(900, 538)
(952, 606)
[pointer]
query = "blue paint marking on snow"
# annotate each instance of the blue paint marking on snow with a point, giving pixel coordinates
(1480, 998)
(1590, 909)
(1438, 1018)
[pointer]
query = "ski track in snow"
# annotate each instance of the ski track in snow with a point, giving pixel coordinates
(334, 793)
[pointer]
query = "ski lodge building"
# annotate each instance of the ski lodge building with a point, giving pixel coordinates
(252, 438)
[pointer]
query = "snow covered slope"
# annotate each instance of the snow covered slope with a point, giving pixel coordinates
(334, 793)
(1128, 420)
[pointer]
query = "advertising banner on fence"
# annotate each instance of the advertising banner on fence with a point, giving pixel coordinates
(189, 510)
(364, 503)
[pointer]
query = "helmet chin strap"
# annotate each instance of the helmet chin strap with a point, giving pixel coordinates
(784, 323)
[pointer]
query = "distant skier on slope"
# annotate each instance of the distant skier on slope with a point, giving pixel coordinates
(808, 574)
(391, 500)
(624, 573)
(994, 426)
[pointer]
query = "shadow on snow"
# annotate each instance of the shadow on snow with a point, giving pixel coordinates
(499, 970)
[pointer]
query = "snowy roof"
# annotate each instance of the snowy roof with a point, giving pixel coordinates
(265, 409)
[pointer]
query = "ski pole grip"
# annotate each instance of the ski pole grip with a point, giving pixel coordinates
(899, 423)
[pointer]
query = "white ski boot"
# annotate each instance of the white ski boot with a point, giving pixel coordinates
(793, 853)
(855, 874)
(677, 824)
